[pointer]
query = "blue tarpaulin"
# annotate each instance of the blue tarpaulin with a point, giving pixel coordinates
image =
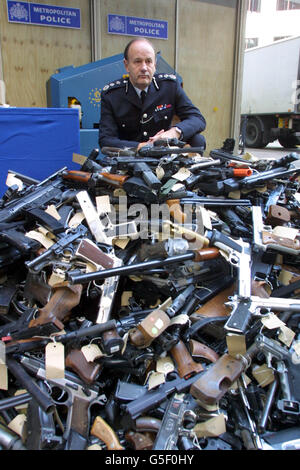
(37, 141)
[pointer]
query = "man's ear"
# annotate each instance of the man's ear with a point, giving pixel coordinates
(125, 64)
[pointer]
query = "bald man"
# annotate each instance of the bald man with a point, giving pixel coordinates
(138, 110)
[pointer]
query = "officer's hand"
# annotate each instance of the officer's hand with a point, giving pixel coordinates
(172, 133)
(142, 144)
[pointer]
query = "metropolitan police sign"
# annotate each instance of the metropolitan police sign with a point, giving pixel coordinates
(43, 15)
(133, 26)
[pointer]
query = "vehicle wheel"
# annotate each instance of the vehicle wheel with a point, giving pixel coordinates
(254, 133)
(289, 142)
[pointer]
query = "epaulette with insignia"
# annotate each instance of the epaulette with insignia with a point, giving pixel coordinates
(166, 76)
(116, 84)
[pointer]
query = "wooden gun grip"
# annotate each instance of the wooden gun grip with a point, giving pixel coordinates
(269, 238)
(77, 175)
(201, 350)
(215, 307)
(217, 380)
(115, 179)
(139, 441)
(62, 301)
(185, 363)
(89, 251)
(257, 288)
(104, 432)
(87, 371)
(206, 254)
(278, 215)
(175, 210)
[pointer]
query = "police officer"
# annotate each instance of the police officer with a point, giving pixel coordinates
(138, 109)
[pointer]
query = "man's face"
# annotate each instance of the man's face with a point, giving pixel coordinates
(140, 64)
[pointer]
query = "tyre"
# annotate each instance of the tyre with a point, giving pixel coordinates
(254, 133)
(289, 142)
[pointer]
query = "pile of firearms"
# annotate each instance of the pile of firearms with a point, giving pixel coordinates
(150, 301)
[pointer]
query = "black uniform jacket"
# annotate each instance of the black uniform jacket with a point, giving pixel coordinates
(125, 121)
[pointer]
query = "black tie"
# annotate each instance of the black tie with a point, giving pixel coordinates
(143, 96)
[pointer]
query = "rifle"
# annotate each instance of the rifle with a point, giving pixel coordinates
(199, 255)
(13, 233)
(35, 196)
(228, 185)
(93, 180)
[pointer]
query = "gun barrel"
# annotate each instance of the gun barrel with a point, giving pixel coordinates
(89, 331)
(130, 269)
(19, 372)
(206, 201)
(10, 441)
(153, 397)
(277, 303)
(17, 400)
(161, 151)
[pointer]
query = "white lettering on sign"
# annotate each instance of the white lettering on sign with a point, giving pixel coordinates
(53, 19)
(146, 30)
(52, 11)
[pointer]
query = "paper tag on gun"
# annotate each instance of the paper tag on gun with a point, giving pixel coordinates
(286, 335)
(12, 179)
(212, 427)
(155, 379)
(91, 352)
(55, 361)
(236, 344)
(40, 237)
(182, 174)
(263, 374)
(3, 368)
(165, 365)
(271, 321)
(103, 204)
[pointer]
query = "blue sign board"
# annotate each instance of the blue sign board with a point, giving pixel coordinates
(43, 15)
(133, 26)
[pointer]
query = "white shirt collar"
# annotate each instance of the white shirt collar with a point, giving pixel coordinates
(140, 91)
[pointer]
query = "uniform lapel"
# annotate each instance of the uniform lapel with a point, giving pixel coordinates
(132, 96)
(150, 97)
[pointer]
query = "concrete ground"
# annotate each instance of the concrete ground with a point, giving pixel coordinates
(273, 150)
